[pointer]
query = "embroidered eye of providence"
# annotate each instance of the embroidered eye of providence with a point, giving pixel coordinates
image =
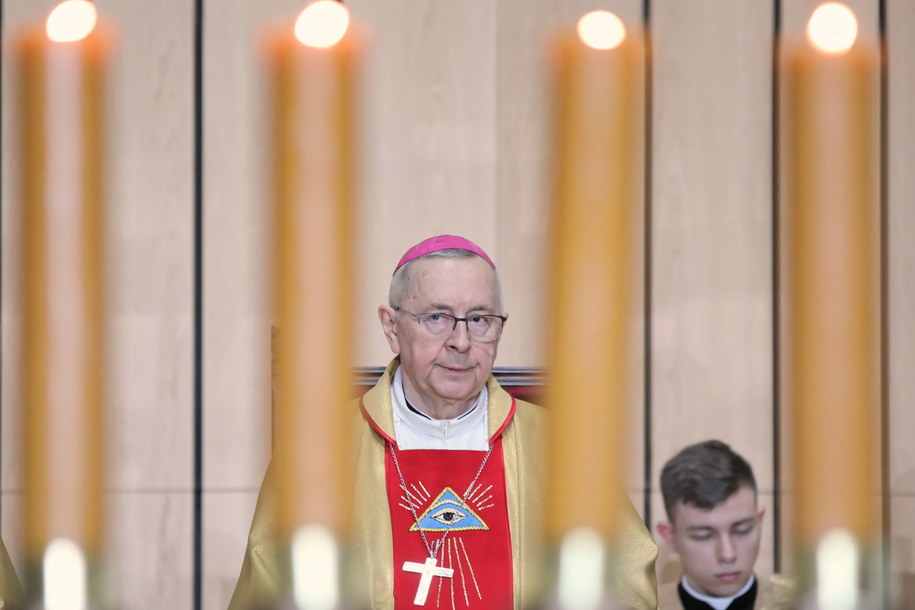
(443, 515)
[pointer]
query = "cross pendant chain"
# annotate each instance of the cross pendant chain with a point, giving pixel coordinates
(430, 568)
(427, 570)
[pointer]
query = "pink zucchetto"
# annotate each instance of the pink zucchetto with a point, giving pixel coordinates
(439, 243)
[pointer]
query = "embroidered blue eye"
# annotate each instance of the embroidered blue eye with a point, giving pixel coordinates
(448, 515)
(447, 512)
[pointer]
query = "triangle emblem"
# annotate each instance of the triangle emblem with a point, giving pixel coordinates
(447, 512)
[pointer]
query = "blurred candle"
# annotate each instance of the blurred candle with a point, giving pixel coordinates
(61, 70)
(598, 174)
(312, 73)
(833, 269)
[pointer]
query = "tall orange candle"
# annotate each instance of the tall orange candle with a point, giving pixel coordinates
(61, 81)
(597, 199)
(832, 264)
(312, 74)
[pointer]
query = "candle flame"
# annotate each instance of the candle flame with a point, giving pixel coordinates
(322, 24)
(601, 30)
(71, 20)
(832, 28)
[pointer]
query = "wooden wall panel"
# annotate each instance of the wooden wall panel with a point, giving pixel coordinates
(226, 521)
(150, 562)
(521, 184)
(236, 316)
(150, 227)
(711, 310)
(900, 25)
(151, 214)
(236, 249)
(428, 140)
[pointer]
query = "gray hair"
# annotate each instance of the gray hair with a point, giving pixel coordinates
(402, 279)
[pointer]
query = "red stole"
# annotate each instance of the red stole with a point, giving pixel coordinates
(478, 547)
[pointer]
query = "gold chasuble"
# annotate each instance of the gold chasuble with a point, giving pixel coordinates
(491, 556)
(10, 591)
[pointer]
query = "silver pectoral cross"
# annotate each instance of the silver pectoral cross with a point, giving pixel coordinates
(428, 570)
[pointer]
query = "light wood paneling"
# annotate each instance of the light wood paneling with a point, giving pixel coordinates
(151, 251)
(428, 138)
(236, 316)
(226, 520)
(711, 315)
(900, 246)
(236, 254)
(150, 203)
(151, 309)
(901, 295)
(150, 562)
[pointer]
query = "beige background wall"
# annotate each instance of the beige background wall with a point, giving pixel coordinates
(453, 140)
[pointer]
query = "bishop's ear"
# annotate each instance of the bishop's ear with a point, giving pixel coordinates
(388, 317)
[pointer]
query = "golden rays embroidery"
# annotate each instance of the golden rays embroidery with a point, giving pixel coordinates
(448, 512)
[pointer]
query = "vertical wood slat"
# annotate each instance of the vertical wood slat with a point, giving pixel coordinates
(900, 292)
(149, 231)
(236, 337)
(152, 303)
(711, 315)
(427, 142)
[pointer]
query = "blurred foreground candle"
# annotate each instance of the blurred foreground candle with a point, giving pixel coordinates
(312, 73)
(832, 263)
(61, 68)
(597, 207)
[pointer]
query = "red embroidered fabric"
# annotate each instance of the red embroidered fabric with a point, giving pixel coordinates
(478, 547)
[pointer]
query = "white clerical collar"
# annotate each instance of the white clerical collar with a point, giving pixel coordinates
(414, 430)
(718, 603)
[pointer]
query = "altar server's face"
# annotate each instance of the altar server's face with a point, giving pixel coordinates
(718, 547)
(444, 375)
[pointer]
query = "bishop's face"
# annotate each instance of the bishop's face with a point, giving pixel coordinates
(444, 375)
(718, 547)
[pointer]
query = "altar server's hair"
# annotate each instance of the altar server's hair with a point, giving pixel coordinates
(704, 475)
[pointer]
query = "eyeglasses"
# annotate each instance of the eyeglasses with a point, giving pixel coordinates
(482, 327)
